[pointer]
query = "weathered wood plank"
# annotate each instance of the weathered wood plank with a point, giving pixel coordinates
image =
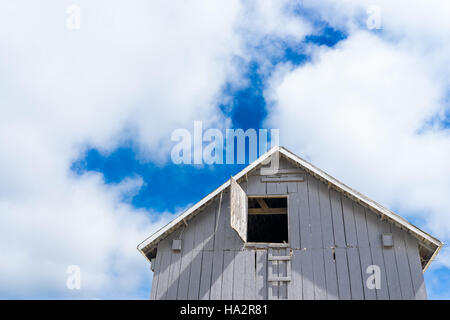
(338, 221)
(267, 211)
(198, 225)
(194, 278)
(255, 186)
(282, 188)
(365, 253)
(314, 213)
(378, 260)
(220, 220)
(354, 267)
(239, 275)
(243, 184)
(392, 274)
(205, 277)
(232, 239)
(361, 226)
(320, 287)
(342, 270)
(374, 234)
(275, 188)
(187, 246)
(261, 275)
(349, 222)
(295, 286)
(330, 274)
(174, 276)
(250, 275)
(305, 224)
(294, 221)
(365, 256)
(285, 166)
(216, 279)
(292, 171)
(281, 179)
(401, 257)
(227, 277)
(238, 209)
(163, 280)
(156, 273)
(373, 229)
(391, 267)
(307, 274)
(208, 225)
(185, 271)
(271, 188)
(420, 292)
(325, 216)
(292, 187)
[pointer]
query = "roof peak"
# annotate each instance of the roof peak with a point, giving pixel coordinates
(431, 242)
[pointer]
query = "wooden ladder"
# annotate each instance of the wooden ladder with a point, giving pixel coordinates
(277, 282)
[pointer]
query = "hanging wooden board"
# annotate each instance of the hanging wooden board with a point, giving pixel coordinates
(239, 208)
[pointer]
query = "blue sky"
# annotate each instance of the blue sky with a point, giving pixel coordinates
(88, 113)
(246, 109)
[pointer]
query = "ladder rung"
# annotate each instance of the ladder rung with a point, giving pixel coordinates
(281, 279)
(279, 258)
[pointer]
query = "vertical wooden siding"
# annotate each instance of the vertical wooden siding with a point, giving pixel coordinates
(333, 241)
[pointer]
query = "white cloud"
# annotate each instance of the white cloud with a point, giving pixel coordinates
(140, 69)
(145, 64)
(362, 109)
(134, 69)
(274, 18)
(264, 23)
(80, 222)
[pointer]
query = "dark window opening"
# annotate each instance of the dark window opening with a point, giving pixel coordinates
(267, 220)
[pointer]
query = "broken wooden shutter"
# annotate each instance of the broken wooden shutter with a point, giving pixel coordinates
(238, 210)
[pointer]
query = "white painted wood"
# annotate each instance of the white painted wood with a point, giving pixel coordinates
(152, 241)
(389, 214)
(216, 277)
(261, 275)
(156, 274)
(239, 276)
(238, 209)
(227, 276)
(250, 275)
(295, 286)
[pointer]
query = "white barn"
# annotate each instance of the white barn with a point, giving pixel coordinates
(289, 233)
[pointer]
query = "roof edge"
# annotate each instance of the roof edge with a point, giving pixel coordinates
(179, 219)
(421, 235)
(388, 213)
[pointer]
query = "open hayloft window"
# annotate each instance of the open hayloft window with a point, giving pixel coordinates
(267, 219)
(257, 218)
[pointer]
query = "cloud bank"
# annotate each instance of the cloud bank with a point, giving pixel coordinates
(135, 70)
(373, 110)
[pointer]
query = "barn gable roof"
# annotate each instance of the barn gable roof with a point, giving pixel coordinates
(430, 246)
